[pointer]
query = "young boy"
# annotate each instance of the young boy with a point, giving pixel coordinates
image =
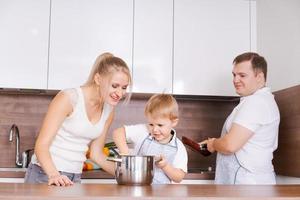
(158, 138)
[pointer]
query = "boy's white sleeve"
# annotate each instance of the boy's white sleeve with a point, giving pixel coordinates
(135, 133)
(181, 158)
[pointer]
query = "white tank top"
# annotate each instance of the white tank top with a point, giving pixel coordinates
(69, 147)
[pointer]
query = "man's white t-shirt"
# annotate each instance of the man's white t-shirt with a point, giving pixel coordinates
(258, 113)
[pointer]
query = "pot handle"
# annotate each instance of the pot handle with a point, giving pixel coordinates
(113, 159)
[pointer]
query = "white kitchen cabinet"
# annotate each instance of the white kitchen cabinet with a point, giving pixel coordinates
(153, 43)
(11, 180)
(24, 33)
(278, 30)
(208, 34)
(80, 31)
(285, 180)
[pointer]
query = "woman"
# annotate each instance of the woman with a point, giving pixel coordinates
(78, 119)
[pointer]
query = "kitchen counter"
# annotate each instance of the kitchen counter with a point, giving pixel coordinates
(100, 174)
(172, 191)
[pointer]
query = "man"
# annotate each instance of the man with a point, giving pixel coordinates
(250, 133)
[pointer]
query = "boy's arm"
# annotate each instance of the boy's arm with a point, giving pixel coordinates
(119, 137)
(175, 174)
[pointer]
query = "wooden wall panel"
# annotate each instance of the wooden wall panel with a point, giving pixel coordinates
(27, 112)
(200, 117)
(287, 156)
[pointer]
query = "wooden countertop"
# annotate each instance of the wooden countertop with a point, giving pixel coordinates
(100, 174)
(172, 191)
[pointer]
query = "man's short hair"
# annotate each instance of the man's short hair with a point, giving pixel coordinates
(259, 64)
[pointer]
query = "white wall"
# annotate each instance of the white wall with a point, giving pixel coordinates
(278, 40)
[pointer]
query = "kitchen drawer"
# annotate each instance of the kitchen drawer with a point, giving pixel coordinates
(11, 180)
(99, 181)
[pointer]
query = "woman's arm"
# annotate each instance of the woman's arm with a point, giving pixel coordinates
(119, 137)
(58, 110)
(96, 149)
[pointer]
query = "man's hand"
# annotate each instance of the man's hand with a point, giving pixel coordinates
(210, 145)
(209, 142)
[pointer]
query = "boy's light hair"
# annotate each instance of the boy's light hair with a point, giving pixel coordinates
(162, 105)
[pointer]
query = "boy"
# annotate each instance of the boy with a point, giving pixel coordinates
(158, 138)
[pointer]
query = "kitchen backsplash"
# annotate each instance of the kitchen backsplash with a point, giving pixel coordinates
(200, 117)
(287, 156)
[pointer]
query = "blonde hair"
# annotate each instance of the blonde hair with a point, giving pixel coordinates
(105, 65)
(162, 105)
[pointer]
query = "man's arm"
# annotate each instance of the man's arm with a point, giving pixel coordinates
(231, 142)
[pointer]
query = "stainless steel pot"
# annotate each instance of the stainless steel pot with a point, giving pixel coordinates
(133, 170)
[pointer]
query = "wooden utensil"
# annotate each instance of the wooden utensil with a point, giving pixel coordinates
(195, 146)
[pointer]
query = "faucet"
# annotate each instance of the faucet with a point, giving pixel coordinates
(15, 130)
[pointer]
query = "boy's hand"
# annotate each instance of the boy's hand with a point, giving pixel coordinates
(160, 161)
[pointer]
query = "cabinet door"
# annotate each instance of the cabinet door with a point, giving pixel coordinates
(208, 34)
(80, 31)
(24, 32)
(153, 43)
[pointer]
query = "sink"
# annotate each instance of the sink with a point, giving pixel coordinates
(12, 169)
(12, 173)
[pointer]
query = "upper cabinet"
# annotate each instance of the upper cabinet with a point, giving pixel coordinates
(152, 47)
(208, 34)
(171, 46)
(80, 31)
(24, 34)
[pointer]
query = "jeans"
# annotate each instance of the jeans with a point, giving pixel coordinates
(35, 174)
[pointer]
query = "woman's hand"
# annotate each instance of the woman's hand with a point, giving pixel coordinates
(59, 180)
